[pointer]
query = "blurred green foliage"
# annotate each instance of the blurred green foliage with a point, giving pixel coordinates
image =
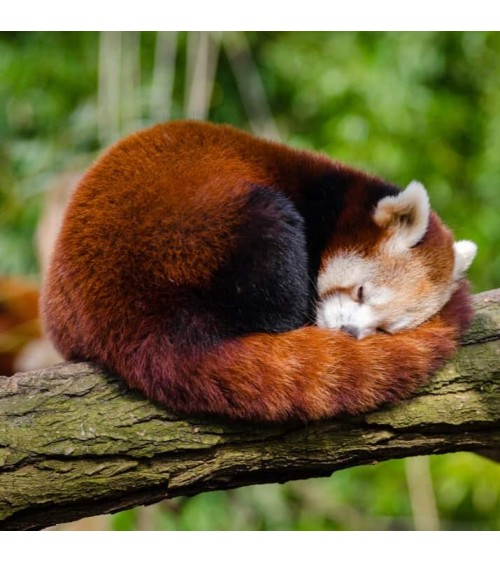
(361, 498)
(400, 105)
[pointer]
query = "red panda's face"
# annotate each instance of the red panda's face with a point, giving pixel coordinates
(399, 281)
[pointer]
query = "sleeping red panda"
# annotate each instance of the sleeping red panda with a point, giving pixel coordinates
(223, 274)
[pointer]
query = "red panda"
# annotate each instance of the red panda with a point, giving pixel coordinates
(224, 274)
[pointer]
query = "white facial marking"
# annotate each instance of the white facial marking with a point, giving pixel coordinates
(342, 275)
(340, 311)
(379, 296)
(403, 322)
(345, 270)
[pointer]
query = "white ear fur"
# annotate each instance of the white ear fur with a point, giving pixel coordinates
(408, 212)
(465, 251)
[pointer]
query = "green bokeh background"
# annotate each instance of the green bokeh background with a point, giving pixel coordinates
(404, 106)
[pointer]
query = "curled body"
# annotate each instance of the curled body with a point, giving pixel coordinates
(220, 273)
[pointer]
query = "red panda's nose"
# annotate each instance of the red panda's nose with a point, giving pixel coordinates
(351, 329)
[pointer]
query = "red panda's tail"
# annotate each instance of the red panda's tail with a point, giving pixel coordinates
(309, 373)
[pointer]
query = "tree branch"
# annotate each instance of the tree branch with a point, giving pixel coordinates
(74, 442)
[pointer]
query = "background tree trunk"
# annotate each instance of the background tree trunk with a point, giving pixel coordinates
(75, 442)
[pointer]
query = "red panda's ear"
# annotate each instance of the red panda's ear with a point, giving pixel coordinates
(406, 214)
(465, 251)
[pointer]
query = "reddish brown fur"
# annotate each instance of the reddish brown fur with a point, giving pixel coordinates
(106, 296)
(309, 373)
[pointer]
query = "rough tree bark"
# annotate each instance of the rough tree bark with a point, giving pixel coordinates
(74, 442)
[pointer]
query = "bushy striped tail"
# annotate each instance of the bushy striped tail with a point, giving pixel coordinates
(308, 374)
